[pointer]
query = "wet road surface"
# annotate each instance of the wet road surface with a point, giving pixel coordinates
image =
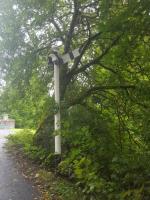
(13, 186)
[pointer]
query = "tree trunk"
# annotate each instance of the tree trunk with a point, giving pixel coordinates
(44, 135)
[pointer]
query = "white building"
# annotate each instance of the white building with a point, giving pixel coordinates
(6, 123)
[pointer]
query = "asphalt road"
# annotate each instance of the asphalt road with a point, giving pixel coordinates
(13, 186)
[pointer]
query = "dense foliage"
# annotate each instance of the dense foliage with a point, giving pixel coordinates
(104, 92)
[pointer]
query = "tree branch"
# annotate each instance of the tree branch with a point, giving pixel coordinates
(96, 60)
(82, 51)
(95, 89)
(108, 68)
(59, 30)
(72, 26)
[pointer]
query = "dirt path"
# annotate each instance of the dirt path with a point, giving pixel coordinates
(13, 186)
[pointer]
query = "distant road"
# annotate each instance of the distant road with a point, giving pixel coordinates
(5, 132)
(13, 186)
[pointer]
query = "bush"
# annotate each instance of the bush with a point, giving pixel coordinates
(99, 173)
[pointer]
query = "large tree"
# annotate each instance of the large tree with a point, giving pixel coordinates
(104, 92)
(113, 38)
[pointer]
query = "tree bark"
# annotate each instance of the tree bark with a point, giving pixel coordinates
(44, 134)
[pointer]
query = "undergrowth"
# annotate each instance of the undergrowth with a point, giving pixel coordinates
(121, 177)
(22, 141)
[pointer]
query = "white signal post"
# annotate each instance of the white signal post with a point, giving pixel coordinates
(56, 60)
(57, 115)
